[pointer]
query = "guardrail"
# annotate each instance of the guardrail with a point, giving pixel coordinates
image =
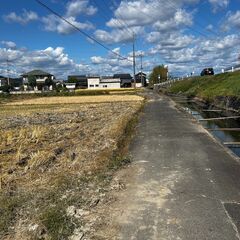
(167, 83)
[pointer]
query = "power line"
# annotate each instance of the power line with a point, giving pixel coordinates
(116, 19)
(81, 31)
(171, 4)
(124, 22)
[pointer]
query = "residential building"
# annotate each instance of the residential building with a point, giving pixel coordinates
(80, 80)
(126, 79)
(3, 81)
(16, 83)
(40, 76)
(110, 82)
(104, 82)
(141, 79)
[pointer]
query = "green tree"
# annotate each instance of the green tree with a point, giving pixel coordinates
(6, 88)
(32, 82)
(72, 80)
(159, 74)
(48, 82)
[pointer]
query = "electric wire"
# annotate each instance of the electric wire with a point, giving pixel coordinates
(81, 31)
(123, 26)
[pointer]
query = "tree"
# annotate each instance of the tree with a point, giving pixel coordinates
(48, 82)
(32, 82)
(6, 88)
(159, 74)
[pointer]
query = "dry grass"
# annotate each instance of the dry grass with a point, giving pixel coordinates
(78, 100)
(48, 153)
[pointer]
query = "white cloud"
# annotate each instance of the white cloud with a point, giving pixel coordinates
(53, 60)
(55, 24)
(9, 44)
(218, 53)
(113, 61)
(118, 35)
(219, 4)
(24, 18)
(232, 21)
(139, 16)
(74, 8)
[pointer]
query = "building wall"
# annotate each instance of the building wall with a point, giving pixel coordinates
(93, 83)
(3, 82)
(111, 85)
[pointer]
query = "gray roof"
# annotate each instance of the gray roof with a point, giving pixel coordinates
(37, 73)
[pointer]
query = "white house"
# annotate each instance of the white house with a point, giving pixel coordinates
(105, 82)
(40, 76)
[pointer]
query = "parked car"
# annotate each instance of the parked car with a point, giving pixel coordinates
(207, 71)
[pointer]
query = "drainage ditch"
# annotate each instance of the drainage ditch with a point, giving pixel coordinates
(223, 125)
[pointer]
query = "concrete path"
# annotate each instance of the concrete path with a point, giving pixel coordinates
(182, 185)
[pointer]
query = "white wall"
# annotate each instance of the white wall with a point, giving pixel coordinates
(110, 85)
(70, 86)
(93, 83)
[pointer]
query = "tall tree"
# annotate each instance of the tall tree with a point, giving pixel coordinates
(159, 74)
(32, 82)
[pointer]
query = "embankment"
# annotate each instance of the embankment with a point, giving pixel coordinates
(222, 90)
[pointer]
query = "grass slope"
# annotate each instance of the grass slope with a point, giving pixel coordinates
(209, 87)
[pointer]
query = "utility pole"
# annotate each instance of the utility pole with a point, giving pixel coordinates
(8, 70)
(134, 61)
(141, 56)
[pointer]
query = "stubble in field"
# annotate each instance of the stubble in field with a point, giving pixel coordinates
(54, 158)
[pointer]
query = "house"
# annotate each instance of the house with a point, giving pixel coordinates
(110, 82)
(104, 82)
(141, 79)
(80, 80)
(3, 81)
(126, 79)
(40, 76)
(16, 82)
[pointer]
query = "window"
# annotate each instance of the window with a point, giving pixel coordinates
(91, 85)
(96, 85)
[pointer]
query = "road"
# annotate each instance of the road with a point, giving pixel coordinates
(182, 184)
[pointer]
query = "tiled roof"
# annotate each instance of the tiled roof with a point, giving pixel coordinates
(37, 73)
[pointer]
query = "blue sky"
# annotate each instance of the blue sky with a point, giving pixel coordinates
(185, 35)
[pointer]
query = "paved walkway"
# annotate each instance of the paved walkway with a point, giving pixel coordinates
(183, 184)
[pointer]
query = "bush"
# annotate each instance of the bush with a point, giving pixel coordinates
(6, 88)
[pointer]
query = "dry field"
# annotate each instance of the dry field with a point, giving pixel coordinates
(57, 159)
(78, 99)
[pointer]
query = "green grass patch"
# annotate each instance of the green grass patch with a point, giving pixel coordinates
(58, 225)
(209, 87)
(9, 204)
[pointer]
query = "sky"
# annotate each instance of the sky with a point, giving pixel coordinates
(185, 35)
